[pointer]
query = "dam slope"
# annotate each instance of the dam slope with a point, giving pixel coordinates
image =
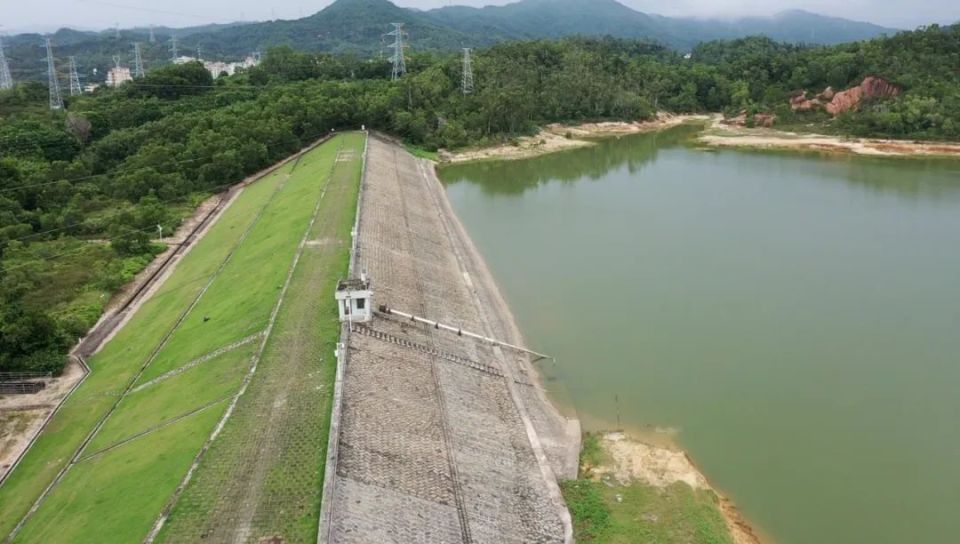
(440, 438)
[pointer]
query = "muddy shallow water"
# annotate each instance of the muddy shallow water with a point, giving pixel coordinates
(795, 319)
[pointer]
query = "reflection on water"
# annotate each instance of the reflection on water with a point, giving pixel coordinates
(913, 178)
(513, 177)
(794, 317)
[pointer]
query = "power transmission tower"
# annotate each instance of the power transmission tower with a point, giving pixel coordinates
(153, 39)
(173, 48)
(398, 59)
(467, 72)
(53, 83)
(137, 61)
(116, 30)
(6, 80)
(74, 78)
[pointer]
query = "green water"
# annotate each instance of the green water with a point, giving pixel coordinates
(794, 319)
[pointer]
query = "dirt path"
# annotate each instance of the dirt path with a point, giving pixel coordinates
(560, 137)
(719, 135)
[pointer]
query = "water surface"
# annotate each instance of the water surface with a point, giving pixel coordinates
(794, 318)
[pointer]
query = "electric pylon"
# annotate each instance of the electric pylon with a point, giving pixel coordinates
(173, 48)
(53, 83)
(153, 39)
(467, 83)
(398, 46)
(75, 89)
(137, 61)
(6, 80)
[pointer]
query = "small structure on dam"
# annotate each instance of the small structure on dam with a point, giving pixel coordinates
(355, 300)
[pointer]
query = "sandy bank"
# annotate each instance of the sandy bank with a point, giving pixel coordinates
(720, 135)
(660, 466)
(559, 137)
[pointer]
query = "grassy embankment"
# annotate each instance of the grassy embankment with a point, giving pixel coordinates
(611, 512)
(129, 470)
(263, 475)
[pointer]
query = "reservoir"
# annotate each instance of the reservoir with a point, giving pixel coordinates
(791, 320)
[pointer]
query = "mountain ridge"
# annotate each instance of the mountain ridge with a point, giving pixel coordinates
(357, 26)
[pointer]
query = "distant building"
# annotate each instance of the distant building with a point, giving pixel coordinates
(218, 68)
(90, 87)
(118, 75)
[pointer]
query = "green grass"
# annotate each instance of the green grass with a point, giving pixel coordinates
(422, 153)
(281, 482)
(674, 515)
(118, 362)
(145, 409)
(237, 305)
(608, 512)
(137, 477)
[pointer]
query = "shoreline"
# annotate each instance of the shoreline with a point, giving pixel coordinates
(718, 135)
(558, 137)
(628, 460)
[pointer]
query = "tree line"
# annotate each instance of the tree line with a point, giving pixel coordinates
(83, 190)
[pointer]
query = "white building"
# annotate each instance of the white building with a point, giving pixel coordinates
(117, 76)
(219, 68)
(355, 300)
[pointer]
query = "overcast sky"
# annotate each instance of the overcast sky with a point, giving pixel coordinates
(37, 15)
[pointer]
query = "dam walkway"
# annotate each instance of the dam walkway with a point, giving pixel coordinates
(436, 441)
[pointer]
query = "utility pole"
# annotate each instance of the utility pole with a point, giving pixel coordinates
(398, 59)
(467, 72)
(75, 89)
(137, 61)
(173, 48)
(6, 80)
(53, 83)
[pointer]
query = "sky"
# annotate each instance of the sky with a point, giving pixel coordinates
(47, 15)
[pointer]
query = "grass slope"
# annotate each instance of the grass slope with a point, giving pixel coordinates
(118, 362)
(263, 476)
(276, 211)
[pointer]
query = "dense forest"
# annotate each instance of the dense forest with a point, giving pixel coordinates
(82, 190)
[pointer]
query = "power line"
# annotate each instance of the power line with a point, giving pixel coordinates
(137, 61)
(53, 83)
(75, 89)
(398, 59)
(6, 80)
(216, 189)
(63, 254)
(467, 83)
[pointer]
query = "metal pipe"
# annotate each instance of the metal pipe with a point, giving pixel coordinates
(461, 332)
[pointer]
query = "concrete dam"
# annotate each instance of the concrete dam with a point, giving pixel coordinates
(437, 437)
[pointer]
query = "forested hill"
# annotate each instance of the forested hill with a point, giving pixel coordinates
(357, 26)
(83, 189)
